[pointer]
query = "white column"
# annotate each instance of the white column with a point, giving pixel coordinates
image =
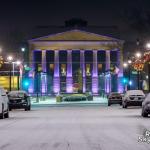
(95, 73)
(107, 77)
(31, 73)
(43, 74)
(82, 66)
(44, 60)
(120, 75)
(56, 84)
(69, 80)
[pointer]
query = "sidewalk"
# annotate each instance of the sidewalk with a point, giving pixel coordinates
(52, 101)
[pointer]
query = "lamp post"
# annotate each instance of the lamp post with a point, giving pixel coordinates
(138, 56)
(148, 48)
(10, 59)
(23, 50)
(125, 65)
(18, 75)
(129, 73)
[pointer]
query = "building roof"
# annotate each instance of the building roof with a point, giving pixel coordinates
(75, 35)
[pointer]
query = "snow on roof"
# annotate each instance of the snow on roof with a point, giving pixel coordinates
(135, 92)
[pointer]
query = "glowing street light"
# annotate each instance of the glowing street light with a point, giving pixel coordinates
(18, 62)
(10, 58)
(148, 45)
(0, 49)
(125, 65)
(23, 49)
(129, 61)
(130, 83)
(138, 54)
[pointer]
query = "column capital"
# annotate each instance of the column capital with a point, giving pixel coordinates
(69, 50)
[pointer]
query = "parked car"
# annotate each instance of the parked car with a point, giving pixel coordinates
(4, 108)
(19, 99)
(114, 98)
(146, 106)
(133, 98)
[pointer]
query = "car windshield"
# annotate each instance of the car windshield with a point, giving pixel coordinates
(115, 94)
(15, 94)
(135, 92)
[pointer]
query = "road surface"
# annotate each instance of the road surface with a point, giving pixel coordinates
(74, 128)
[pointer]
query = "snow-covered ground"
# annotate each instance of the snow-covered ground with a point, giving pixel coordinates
(74, 128)
(52, 100)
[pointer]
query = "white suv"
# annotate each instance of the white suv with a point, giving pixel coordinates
(4, 107)
(146, 106)
(133, 98)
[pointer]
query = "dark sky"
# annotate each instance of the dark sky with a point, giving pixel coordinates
(97, 12)
(24, 15)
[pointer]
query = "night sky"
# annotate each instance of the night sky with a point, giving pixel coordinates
(23, 16)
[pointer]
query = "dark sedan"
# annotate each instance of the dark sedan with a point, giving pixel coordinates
(114, 98)
(19, 99)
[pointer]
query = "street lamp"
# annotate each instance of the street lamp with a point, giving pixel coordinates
(23, 49)
(18, 63)
(148, 46)
(129, 72)
(129, 61)
(0, 49)
(138, 56)
(10, 59)
(125, 65)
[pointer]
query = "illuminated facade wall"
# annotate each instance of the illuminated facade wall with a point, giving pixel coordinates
(75, 65)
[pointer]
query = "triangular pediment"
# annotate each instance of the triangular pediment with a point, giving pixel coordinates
(75, 35)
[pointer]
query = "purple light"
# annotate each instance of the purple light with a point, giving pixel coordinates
(44, 83)
(30, 90)
(69, 87)
(31, 87)
(56, 84)
(95, 85)
(120, 84)
(84, 88)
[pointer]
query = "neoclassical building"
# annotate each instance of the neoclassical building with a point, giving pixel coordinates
(75, 61)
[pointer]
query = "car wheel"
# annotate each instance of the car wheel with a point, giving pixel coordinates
(109, 103)
(26, 109)
(124, 105)
(2, 114)
(144, 114)
(7, 114)
(29, 107)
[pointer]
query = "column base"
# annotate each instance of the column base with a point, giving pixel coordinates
(120, 84)
(69, 85)
(44, 83)
(56, 85)
(94, 85)
(84, 85)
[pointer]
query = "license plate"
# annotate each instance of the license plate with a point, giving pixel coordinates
(136, 98)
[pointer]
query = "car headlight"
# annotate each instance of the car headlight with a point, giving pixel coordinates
(148, 102)
(23, 100)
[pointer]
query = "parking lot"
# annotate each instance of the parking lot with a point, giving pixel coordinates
(74, 128)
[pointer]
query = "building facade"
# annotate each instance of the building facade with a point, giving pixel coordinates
(75, 61)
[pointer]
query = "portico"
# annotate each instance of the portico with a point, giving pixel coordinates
(75, 61)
